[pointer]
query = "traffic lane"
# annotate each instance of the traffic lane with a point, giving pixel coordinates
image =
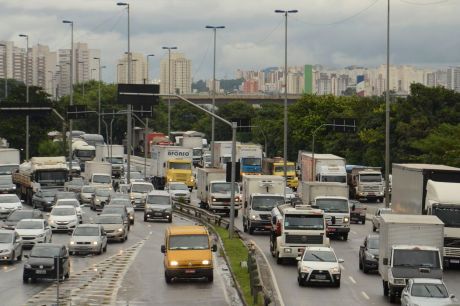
(145, 281)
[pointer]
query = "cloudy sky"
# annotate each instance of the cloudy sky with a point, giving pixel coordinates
(334, 33)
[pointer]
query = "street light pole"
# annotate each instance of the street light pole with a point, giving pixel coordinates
(99, 96)
(5, 70)
(82, 78)
(387, 115)
(169, 89)
(71, 88)
(27, 92)
(213, 122)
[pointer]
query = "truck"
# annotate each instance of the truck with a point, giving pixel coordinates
(321, 167)
(157, 138)
(196, 144)
(366, 183)
(98, 174)
(410, 246)
(214, 192)
(40, 173)
(222, 153)
(113, 154)
(275, 166)
(9, 161)
(261, 193)
(250, 158)
(293, 228)
(426, 189)
(171, 164)
(332, 198)
(83, 152)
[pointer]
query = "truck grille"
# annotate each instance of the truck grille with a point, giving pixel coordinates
(264, 217)
(304, 239)
(452, 242)
(452, 252)
(320, 275)
(223, 200)
(181, 177)
(338, 221)
(371, 188)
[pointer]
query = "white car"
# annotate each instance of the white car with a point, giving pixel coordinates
(178, 191)
(8, 204)
(86, 193)
(63, 218)
(319, 265)
(138, 192)
(426, 292)
(71, 202)
(378, 217)
(33, 231)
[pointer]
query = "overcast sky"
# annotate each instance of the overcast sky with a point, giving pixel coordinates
(334, 33)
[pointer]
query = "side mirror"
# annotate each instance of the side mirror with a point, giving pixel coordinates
(385, 261)
(26, 256)
(452, 296)
(298, 258)
(341, 260)
(163, 248)
(214, 248)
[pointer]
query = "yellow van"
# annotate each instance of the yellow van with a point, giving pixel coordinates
(188, 253)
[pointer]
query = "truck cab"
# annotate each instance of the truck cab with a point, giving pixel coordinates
(337, 214)
(332, 174)
(180, 170)
(219, 196)
(257, 211)
(367, 183)
(101, 180)
(292, 180)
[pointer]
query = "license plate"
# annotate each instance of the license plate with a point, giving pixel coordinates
(157, 214)
(455, 261)
(371, 193)
(189, 271)
(331, 229)
(268, 226)
(40, 271)
(62, 227)
(320, 276)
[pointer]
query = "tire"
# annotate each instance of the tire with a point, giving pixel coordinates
(392, 295)
(145, 219)
(126, 238)
(168, 278)
(279, 260)
(105, 249)
(360, 264)
(300, 281)
(71, 253)
(365, 269)
(345, 237)
(374, 228)
(363, 221)
(25, 278)
(210, 278)
(236, 213)
(245, 227)
(385, 288)
(170, 220)
(100, 251)
(67, 275)
(19, 258)
(337, 284)
(251, 230)
(11, 261)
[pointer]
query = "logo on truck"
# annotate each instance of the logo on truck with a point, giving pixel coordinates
(178, 154)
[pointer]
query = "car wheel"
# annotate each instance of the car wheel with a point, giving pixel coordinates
(279, 260)
(363, 221)
(168, 278)
(105, 248)
(345, 237)
(360, 264)
(236, 213)
(385, 288)
(170, 220)
(374, 228)
(11, 261)
(300, 281)
(365, 269)
(19, 258)
(71, 253)
(67, 275)
(337, 284)
(245, 227)
(126, 238)
(25, 278)
(392, 295)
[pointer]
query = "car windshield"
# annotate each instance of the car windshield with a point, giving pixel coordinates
(142, 188)
(8, 169)
(370, 178)
(6, 179)
(109, 220)
(293, 222)
(188, 242)
(373, 243)
(266, 203)
(20, 214)
(6, 237)
(178, 187)
(334, 178)
(223, 187)
(45, 251)
(9, 199)
(429, 290)
(325, 256)
(102, 192)
(102, 179)
(332, 205)
(115, 160)
(251, 161)
(76, 183)
(158, 199)
(26, 224)
(86, 231)
(68, 202)
(416, 258)
(449, 215)
(385, 211)
(63, 211)
(180, 166)
(65, 195)
(124, 202)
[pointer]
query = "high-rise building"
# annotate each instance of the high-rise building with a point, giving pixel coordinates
(453, 78)
(138, 69)
(181, 74)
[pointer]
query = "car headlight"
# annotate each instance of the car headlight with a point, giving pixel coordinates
(287, 250)
(131, 216)
(255, 217)
(41, 235)
(369, 256)
(213, 199)
(173, 263)
(97, 200)
(72, 242)
(305, 269)
(205, 262)
(95, 242)
(51, 221)
(237, 199)
(132, 197)
(335, 270)
(120, 229)
(346, 220)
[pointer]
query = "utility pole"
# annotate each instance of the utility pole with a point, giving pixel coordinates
(27, 91)
(387, 115)
(71, 88)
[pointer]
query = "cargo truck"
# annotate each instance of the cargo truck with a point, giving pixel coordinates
(196, 144)
(410, 246)
(171, 164)
(9, 161)
(332, 198)
(275, 166)
(250, 158)
(214, 193)
(113, 154)
(366, 183)
(222, 153)
(426, 189)
(98, 174)
(261, 193)
(321, 167)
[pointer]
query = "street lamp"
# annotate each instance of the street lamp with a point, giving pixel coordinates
(285, 88)
(82, 78)
(71, 88)
(213, 123)
(169, 88)
(387, 115)
(118, 65)
(99, 96)
(148, 66)
(5, 71)
(27, 92)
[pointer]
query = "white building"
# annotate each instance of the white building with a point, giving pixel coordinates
(138, 69)
(181, 74)
(453, 78)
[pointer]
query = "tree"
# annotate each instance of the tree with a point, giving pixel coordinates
(49, 148)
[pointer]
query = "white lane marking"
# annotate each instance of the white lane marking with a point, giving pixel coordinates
(354, 233)
(365, 295)
(352, 279)
(9, 270)
(342, 267)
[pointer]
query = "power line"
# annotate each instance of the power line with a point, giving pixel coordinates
(203, 58)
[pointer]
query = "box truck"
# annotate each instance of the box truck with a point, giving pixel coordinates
(9, 161)
(321, 167)
(113, 154)
(98, 174)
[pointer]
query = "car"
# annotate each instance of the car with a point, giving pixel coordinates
(357, 211)
(61, 195)
(41, 263)
(74, 185)
(71, 202)
(369, 254)
(178, 191)
(138, 192)
(188, 253)
(86, 193)
(114, 226)
(136, 177)
(123, 188)
(17, 215)
(44, 199)
(6, 184)
(10, 246)
(118, 209)
(88, 238)
(75, 168)
(158, 206)
(63, 218)
(319, 265)
(8, 204)
(129, 207)
(377, 217)
(34, 231)
(426, 292)
(100, 198)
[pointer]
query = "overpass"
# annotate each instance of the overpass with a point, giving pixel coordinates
(252, 99)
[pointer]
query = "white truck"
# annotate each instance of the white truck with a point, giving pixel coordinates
(113, 154)
(9, 161)
(426, 189)
(196, 144)
(250, 157)
(261, 193)
(410, 246)
(366, 183)
(295, 228)
(222, 153)
(332, 198)
(214, 193)
(98, 174)
(321, 167)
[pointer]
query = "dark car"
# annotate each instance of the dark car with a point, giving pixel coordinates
(120, 210)
(41, 262)
(369, 254)
(357, 211)
(74, 185)
(17, 215)
(44, 199)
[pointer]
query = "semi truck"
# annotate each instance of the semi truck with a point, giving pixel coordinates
(40, 173)
(171, 164)
(214, 193)
(113, 154)
(275, 166)
(9, 161)
(332, 198)
(410, 246)
(293, 228)
(321, 167)
(261, 193)
(98, 174)
(250, 158)
(83, 152)
(426, 189)
(366, 183)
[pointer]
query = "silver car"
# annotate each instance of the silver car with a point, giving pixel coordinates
(178, 191)
(88, 238)
(114, 226)
(8, 204)
(426, 292)
(86, 194)
(129, 207)
(10, 246)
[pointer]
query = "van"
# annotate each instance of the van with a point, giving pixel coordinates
(188, 253)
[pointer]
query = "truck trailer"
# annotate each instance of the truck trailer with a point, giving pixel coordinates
(321, 167)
